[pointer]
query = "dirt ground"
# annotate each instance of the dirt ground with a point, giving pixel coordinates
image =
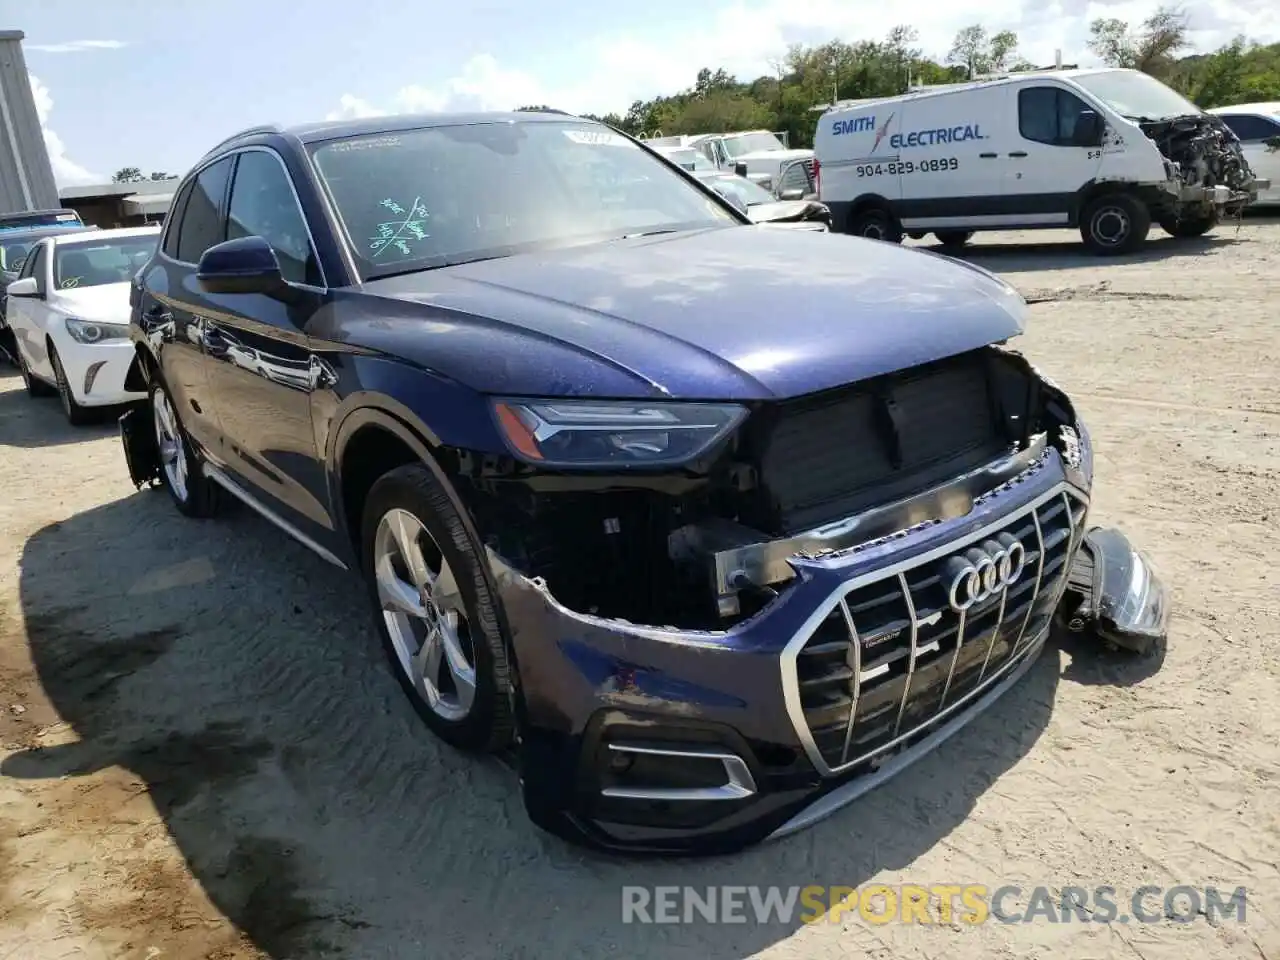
(203, 756)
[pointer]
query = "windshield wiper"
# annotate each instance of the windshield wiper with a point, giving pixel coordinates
(647, 233)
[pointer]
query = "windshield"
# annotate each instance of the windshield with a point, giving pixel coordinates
(38, 218)
(751, 143)
(94, 263)
(13, 253)
(750, 193)
(1135, 95)
(444, 195)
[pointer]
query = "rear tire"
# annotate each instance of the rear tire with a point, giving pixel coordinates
(953, 238)
(76, 415)
(435, 611)
(194, 494)
(1115, 224)
(1189, 227)
(876, 223)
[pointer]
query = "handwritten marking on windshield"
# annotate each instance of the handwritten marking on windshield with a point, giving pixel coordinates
(396, 234)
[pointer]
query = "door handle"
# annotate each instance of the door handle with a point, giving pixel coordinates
(1018, 153)
(987, 156)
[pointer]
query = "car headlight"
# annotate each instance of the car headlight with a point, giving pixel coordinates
(88, 331)
(595, 433)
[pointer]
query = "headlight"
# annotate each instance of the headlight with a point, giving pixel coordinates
(86, 331)
(581, 433)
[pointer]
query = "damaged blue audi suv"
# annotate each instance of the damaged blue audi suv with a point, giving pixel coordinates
(712, 527)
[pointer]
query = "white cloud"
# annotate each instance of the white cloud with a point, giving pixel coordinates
(76, 46)
(747, 37)
(66, 171)
(482, 85)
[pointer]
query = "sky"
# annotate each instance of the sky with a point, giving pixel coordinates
(155, 83)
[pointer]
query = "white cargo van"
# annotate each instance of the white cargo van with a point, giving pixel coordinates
(1107, 150)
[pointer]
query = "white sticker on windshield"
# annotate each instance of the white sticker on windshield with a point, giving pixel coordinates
(603, 138)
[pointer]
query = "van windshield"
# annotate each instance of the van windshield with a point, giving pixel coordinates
(1136, 96)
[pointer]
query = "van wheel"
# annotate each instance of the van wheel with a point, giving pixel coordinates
(1114, 224)
(875, 223)
(1189, 226)
(953, 238)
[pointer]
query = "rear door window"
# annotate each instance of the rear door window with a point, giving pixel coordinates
(173, 230)
(204, 220)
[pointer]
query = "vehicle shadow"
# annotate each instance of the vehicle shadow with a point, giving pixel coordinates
(27, 421)
(238, 676)
(1072, 254)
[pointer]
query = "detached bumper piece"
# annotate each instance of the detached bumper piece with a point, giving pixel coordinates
(1121, 599)
(141, 454)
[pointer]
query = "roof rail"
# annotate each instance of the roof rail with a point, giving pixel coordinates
(247, 132)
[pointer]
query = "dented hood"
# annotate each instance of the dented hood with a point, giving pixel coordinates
(728, 313)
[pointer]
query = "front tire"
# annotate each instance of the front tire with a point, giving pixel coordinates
(876, 223)
(194, 494)
(1188, 227)
(76, 415)
(1115, 224)
(436, 613)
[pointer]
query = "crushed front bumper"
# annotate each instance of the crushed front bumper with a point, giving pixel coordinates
(659, 740)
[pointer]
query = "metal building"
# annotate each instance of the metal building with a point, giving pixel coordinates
(26, 178)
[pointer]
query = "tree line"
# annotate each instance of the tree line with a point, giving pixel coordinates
(807, 77)
(135, 175)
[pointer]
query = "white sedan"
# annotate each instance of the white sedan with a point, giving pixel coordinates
(69, 313)
(1258, 127)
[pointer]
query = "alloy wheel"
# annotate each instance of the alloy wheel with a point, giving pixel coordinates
(424, 615)
(173, 454)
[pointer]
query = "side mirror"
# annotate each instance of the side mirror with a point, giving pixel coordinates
(793, 193)
(26, 287)
(740, 169)
(1089, 129)
(244, 265)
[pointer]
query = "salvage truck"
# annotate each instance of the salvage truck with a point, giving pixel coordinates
(1109, 151)
(710, 545)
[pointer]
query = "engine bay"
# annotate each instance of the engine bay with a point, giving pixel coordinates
(706, 547)
(1204, 148)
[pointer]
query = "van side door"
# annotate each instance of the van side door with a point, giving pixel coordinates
(1045, 165)
(947, 156)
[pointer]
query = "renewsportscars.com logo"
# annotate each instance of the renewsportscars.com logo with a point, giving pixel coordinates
(970, 903)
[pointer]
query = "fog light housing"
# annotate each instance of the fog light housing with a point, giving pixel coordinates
(91, 374)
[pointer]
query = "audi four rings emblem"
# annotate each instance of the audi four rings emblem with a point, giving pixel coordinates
(983, 571)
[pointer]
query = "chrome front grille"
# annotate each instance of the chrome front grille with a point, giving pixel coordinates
(892, 656)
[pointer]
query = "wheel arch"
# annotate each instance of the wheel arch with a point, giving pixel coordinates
(1095, 189)
(141, 370)
(375, 438)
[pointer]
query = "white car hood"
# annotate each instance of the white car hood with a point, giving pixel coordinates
(107, 303)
